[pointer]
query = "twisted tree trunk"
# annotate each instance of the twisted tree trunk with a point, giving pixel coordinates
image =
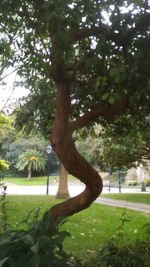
(74, 163)
(80, 168)
(63, 143)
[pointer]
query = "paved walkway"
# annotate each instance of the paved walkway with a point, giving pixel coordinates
(76, 189)
(125, 204)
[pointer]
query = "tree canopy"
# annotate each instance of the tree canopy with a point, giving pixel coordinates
(86, 61)
(32, 159)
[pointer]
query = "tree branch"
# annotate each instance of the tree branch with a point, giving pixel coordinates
(105, 30)
(89, 117)
(87, 32)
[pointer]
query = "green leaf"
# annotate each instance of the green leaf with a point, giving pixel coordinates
(35, 261)
(35, 248)
(3, 261)
(105, 96)
(42, 241)
(28, 239)
(111, 99)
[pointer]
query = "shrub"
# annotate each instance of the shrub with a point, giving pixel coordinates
(3, 166)
(147, 182)
(38, 246)
(132, 183)
(113, 254)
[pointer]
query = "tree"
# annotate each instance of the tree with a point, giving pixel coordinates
(91, 58)
(7, 132)
(23, 143)
(32, 160)
(62, 192)
(126, 143)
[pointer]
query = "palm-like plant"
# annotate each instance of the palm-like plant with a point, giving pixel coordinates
(32, 160)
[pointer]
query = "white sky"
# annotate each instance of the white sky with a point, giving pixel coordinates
(8, 93)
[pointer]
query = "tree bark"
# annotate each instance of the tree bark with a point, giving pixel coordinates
(29, 173)
(63, 192)
(64, 147)
(80, 168)
(74, 163)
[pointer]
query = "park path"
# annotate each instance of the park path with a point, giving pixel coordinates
(124, 204)
(75, 189)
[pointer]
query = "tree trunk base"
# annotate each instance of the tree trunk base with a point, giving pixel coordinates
(62, 195)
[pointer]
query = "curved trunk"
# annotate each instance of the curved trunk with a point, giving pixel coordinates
(64, 147)
(63, 192)
(80, 168)
(76, 165)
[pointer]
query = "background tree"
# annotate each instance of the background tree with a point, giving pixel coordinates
(7, 132)
(32, 160)
(63, 192)
(94, 58)
(126, 143)
(20, 145)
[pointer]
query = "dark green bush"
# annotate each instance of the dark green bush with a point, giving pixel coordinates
(38, 246)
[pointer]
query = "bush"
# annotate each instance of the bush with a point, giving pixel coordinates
(132, 183)
(135, 255)
(3, 167)
(147, 182)
(38, 246)
(113, 254)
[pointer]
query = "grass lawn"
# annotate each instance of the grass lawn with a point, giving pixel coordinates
(34, 180)
(89, 229)
(139, 198)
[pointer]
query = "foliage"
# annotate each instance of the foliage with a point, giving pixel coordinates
(91, 148)
(39, 245)
(3, 165)
(31, 159)
(114, 254)
(147, 182)
(97, 229)
(7, 133)
(6, 126)
(23, 143)
(104, 47)
(125, 142)
(90, 58)
(121, 144)
(132, 183)
(3, 208)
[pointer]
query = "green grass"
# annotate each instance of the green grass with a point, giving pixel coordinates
(89, 229)
(34, 180)
(139, 198)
